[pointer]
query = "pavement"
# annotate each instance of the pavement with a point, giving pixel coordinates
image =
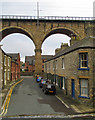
(4, 92)
(73, 103)
(67, 101)
(5, 95)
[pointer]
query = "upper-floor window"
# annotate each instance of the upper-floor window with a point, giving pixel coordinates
(8, 61)
(56, 64)
(45, 67)
(42, 61)
(49, 65)
(53, 65)
(42, 66)
(5, 60)
(83, 60)
(62, 63)
(8, 75)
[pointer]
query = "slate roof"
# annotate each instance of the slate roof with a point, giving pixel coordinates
(31, 59)
(88, 42)
(13, 55)
(46, 57)
(5, 53)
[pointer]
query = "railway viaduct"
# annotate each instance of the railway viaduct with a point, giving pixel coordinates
(39, 29)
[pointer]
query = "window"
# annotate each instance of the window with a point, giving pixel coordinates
(5, 78)
(62, 63)
(49, 65)
(56, 64)
(5, 60)
(53, 65)
(45, 67)
(63, 83)
(43, 61)
(8, 75)
(83, 60)
(84, 87)
(42, 66)
(8, 61)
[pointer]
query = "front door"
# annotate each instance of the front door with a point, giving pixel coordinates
(73, 88)
(61, 84)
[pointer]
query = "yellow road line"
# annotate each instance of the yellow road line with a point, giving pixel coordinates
(7, 100)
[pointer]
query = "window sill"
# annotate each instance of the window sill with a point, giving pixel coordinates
(83, 69)
(63, 68)
(84, 97)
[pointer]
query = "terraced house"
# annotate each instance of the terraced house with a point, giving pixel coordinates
(15, 68)
(0, 68)
(9, 68)
(5, 62)
(30, 62)
(73, 70)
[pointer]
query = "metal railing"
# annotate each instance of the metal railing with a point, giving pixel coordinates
(46, 17)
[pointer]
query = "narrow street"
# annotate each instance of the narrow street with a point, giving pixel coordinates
(29, 102)
(28, 99)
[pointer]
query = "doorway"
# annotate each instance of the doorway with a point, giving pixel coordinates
(73, 88)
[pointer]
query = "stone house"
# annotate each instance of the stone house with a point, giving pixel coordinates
(0, 68)
(9, 68)
(30, 62)
(73, 70)
(5, 61)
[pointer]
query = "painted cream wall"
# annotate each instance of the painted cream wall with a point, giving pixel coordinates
(0, 69)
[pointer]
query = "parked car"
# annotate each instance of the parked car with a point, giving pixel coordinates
(42, 82)
(49, 88)
(39, 79)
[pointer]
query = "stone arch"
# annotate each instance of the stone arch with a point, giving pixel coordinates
(61, 30)
(9, 30)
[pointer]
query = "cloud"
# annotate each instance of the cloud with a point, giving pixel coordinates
(23, 44)
(18, 43)
(53, 42)
(80, 8)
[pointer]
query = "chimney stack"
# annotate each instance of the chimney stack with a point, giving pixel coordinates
(62, 47)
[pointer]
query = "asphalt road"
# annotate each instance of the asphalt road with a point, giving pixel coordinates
(28, 99)
(81, 118)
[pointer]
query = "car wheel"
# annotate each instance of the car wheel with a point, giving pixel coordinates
(43, 90)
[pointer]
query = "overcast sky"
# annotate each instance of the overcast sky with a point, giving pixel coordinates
(12, 43)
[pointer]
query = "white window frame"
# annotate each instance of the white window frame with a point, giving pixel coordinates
(63, 83)
(8, 75)
(56, 64)
(84, 88)
(8, 61)
(5, 60)
(63, 63)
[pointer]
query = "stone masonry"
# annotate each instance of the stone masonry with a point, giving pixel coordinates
(38, 34)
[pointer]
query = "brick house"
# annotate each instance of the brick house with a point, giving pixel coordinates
(9, 68)
(15, 69)
(72, 69)
(30, 62)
